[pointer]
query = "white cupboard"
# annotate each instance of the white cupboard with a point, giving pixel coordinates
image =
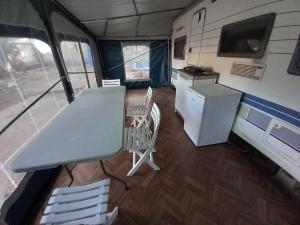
(183, 82)
(210, 112)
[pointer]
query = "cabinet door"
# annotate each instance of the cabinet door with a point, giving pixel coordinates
(186, 83)
(195, 105)
(182, 86)
(179, 94)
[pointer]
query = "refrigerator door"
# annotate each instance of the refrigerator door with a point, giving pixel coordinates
(195, 104)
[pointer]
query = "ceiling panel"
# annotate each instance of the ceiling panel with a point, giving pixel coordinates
(98, 9)
(157, 24)
(97, 27)
(122, 27)
(146, 6)
(153, 22)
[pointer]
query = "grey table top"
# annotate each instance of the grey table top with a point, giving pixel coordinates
(90, 128)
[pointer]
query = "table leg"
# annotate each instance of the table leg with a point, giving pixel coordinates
(69, 172)
(112, 176)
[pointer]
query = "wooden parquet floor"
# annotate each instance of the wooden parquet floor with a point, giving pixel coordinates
(213, 185)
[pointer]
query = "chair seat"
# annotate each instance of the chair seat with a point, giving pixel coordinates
(136, 110)
(85, 204)
(136, 138)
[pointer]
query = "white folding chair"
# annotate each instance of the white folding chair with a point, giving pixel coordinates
(139, 112)
(111, 83)
(141, 144)
(85, 204)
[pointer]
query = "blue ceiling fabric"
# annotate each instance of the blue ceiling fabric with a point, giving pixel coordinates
(112, 58)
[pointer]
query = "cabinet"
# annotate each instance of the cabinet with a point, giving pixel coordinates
(183, 82)
(210, 112)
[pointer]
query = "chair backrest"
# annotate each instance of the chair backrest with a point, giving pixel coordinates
(155, 117)
(148, 97)
(111, 83)
(146, 117)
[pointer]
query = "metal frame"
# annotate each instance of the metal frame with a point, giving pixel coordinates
(134, 15)
(62, 10)
(69, 172)
(111, 176)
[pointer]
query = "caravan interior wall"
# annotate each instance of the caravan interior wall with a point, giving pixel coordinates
(269, 117)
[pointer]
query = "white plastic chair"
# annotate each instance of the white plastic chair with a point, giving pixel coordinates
(141, 144)
(139, 112)
(85, 204)
(111, 83)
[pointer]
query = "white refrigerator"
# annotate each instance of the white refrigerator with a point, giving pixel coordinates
(210, 112)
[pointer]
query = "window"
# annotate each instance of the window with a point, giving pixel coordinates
(79, 62)
(179, 47)
(294, 67)
(247, 38)
(136, 61)
(27, 69)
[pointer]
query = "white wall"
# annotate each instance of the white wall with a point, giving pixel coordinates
(276, 85)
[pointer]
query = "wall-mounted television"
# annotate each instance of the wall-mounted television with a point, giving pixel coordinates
(179, 47)
(294, 67)
(247, 38)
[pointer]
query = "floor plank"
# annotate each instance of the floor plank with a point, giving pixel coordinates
(212, 185)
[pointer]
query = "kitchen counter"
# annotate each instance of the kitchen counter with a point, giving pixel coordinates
(198, 75)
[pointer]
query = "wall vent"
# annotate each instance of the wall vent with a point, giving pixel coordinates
(259, 119)
(254, 71)
(243, 110)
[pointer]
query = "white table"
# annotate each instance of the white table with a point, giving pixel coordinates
(90, 128)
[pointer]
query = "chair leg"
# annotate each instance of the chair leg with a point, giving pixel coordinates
(143, 158)
(133, 158)
(111, 216)
(151, 156)
(148, 161)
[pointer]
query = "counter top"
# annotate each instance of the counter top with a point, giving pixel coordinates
(198, 74)
(209, 90)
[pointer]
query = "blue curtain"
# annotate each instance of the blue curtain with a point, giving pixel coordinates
(159, 64)
(111, 52)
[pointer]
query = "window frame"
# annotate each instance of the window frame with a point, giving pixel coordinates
(130, 43)
(79, 42)
(294, 66)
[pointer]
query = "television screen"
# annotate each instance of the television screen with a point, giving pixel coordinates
(294, 67)
(247, 38)
(179, 47)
